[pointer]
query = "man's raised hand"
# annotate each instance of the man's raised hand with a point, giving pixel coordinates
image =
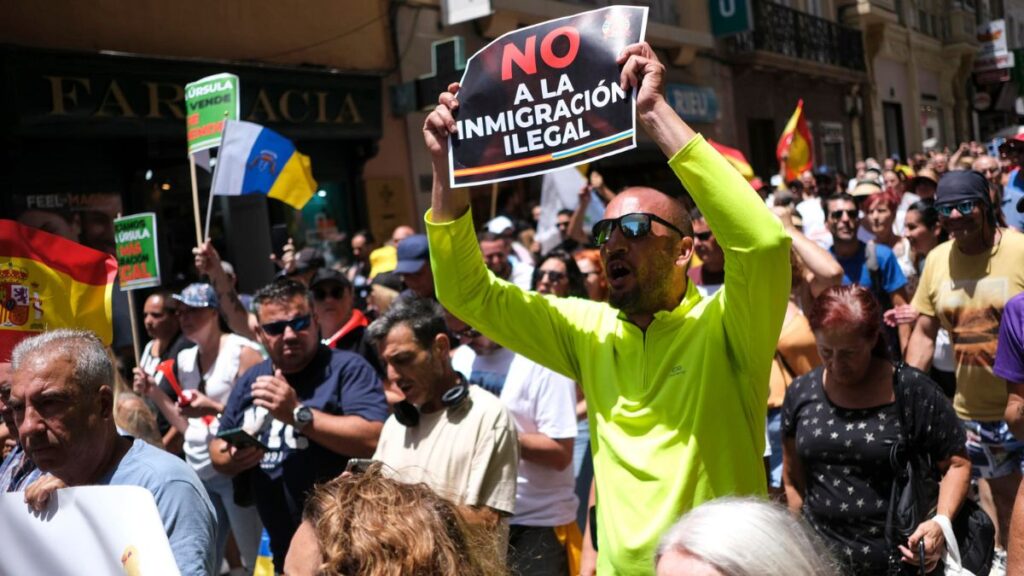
(441, 123)
(642, 69)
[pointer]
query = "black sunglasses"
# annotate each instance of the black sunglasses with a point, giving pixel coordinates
(554, 276)
(702, 236)
(321, 293)
(964, 207)
(852, 214)
(635, 225)
(468, 333)
(297, 324)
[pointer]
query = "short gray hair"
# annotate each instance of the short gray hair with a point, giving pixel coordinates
(92, 366)
(748, 537)
(422, 315)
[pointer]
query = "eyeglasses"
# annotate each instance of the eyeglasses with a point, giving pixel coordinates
(964, 207)
(335, 292)
(297, 324)
(467, 333)
(635, 225)
(554, 276)
(702, 236)
(851, 213)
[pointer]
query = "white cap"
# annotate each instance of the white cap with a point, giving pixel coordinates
(499, 225)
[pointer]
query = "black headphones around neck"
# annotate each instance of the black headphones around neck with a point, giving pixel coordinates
(409, 416)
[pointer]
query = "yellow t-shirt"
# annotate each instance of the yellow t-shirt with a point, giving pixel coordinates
(967, 295)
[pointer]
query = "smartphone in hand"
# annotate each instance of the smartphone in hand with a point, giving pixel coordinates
(358, 465)
(241, 439)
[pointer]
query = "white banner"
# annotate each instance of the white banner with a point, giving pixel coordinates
(96, 530)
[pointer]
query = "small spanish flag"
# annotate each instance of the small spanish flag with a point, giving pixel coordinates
(49, 282)
(736, 158)
(795, 145)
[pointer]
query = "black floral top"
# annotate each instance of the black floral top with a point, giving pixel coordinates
(845, 457)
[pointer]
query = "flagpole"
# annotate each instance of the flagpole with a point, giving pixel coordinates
(195, 198)
(134, 321)
(209, 211)
(494, 200)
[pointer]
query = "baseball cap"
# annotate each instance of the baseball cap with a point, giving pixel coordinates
(388, 280)
(383, 259)
(413, 253)
(324, 275)
(499, 225)
(962, 185)
(307, 259)
(198, 295)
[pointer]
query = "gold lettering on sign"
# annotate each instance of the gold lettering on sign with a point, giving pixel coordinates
(284, 103)
(171, 103)
(262, 105)
(321, 107)
(348, 114)
(59, 96)
(114, 91)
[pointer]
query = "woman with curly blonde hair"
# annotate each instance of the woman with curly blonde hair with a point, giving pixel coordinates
(371, 525)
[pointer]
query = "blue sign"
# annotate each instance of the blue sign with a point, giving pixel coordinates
(693, 103)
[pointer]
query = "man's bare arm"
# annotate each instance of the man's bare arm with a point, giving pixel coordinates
(921, 346)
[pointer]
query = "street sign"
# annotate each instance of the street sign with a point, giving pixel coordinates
(138, 260)
(209, 102)
(693, 103)
(729, 17)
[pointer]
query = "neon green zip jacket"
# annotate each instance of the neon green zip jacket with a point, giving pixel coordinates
(677, 414)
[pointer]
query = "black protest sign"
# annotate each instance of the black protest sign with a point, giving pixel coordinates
(546, 97)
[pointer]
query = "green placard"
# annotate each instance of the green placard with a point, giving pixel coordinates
(730, 17)
(209, 102)
(138, 260)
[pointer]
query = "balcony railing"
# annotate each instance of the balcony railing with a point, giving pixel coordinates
(800, 35)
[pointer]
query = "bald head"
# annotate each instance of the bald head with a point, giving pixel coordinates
(644, 199)
(401, 233)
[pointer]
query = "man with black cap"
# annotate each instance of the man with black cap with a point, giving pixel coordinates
(414, 267)
(342, 325)
(964, 287)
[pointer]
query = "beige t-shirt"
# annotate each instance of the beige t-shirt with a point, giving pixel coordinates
(468, 454)
(967, 295)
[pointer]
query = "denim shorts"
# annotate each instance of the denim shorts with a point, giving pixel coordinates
(993, 450)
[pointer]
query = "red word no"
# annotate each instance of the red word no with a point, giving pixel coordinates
(526, 60)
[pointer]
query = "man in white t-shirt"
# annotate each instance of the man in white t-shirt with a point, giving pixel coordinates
(456, 438)
(544, 538)
(497, 250)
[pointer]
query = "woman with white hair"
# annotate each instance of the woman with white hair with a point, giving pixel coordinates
(741, 537)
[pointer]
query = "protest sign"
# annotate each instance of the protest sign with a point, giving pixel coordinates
(209, 102)
(546, 97)
(138, 260)
(112, 530)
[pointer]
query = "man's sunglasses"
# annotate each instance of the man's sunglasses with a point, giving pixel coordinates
(852, 214)
(336, 292)
(702, 236)
(635, 225)
(964, 207)
(554, 276)
(468, 333)
(297, 324)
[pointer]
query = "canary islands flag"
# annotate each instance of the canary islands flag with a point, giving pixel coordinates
(256, 160)
(49, 282)
(795, 149)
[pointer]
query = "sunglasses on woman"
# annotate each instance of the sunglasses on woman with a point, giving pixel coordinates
(635, 225)
(964, 207)
(554, 276)
(297, 324)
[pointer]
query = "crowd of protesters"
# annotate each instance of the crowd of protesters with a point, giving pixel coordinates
(648, 397)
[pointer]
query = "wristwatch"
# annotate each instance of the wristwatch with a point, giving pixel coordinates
(303, 416)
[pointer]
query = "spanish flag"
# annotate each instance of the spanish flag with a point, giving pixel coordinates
(795, 145)
(49, 282)
(736, 158)
(257, 160)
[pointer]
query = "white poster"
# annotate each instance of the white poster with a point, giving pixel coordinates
(95, 530)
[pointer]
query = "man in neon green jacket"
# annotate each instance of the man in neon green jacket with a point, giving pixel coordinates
(676, 385)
